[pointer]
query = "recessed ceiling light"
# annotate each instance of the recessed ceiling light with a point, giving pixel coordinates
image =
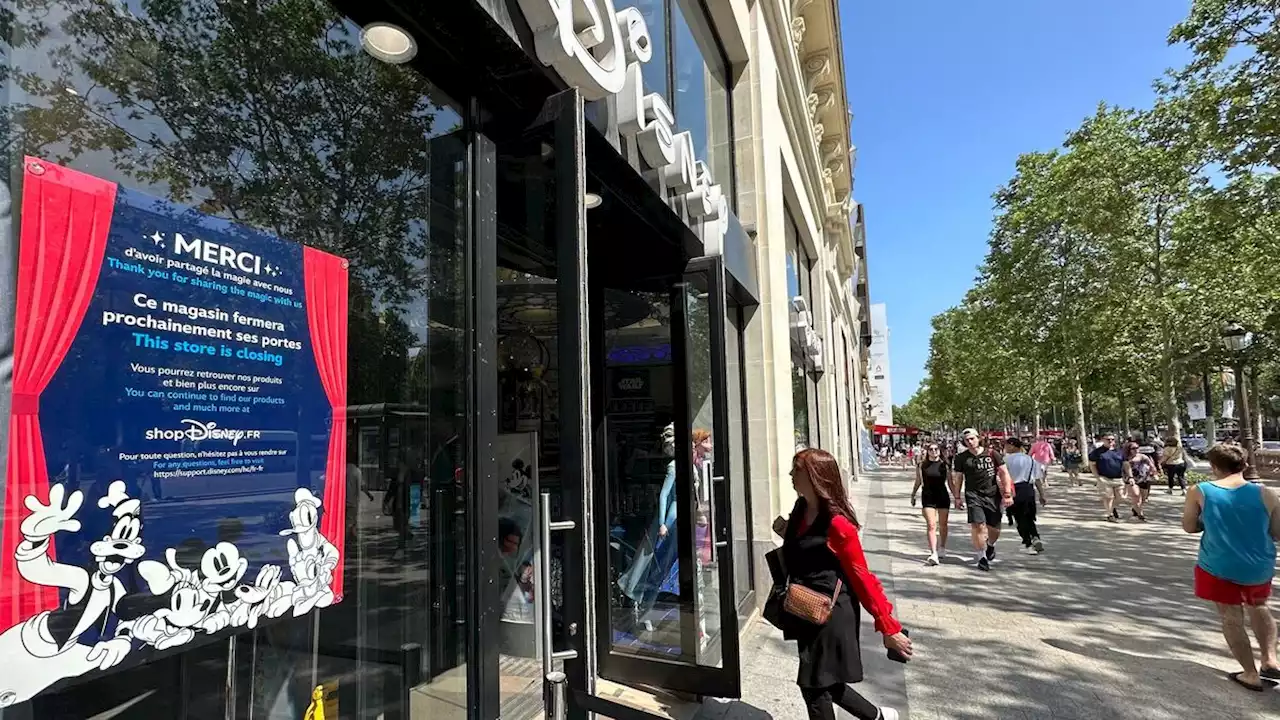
(591, 200)
(388, 43)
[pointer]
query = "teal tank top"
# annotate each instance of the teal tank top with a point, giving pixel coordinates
(1236, 544)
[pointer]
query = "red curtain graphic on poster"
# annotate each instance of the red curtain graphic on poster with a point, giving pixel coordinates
(326, 289)
(66, 216)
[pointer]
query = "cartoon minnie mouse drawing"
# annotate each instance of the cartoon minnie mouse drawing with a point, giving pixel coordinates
(82, 634)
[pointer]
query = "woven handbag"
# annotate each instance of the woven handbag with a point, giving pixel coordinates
(809, 604)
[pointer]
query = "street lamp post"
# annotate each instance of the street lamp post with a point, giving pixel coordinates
(1142, 412)
(1237, 340)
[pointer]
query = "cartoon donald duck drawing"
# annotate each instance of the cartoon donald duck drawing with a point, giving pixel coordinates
(82, 634)
(312, 558)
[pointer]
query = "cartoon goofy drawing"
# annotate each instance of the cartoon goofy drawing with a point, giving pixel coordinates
(81, 635)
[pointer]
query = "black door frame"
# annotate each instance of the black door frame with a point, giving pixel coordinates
(683, 675)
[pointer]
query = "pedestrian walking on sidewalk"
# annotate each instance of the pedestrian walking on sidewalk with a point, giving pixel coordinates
(1071, 461)
(1175, 464)
(1042, 452)
(1109, 468)
(1028, 477)
(932, 474)
(1140, 472)
(987, 490)
(822, 551)
(1239, 522)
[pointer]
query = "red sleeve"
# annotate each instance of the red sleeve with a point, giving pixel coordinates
(843, 540)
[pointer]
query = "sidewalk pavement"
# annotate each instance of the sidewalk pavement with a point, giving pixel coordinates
(1103, 626)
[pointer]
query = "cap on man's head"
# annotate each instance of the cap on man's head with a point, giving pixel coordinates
(967, 432)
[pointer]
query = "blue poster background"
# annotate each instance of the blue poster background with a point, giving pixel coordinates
(94, 428)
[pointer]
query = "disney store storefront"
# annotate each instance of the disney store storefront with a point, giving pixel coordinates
(364, 361)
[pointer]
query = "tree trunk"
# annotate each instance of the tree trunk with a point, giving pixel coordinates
(1256, 407)
(1082, 429)
(1169, 393)
(1036, 426)
(1210, 418)
(1124, 419)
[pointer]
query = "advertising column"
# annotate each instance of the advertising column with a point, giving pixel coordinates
(177, 445)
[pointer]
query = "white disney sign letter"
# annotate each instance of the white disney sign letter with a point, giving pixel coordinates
(648, 118)
(680, 174)
(582, 41)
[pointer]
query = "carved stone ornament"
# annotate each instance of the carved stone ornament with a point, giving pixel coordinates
(797, 32)
(826, 97)
(817, 69)
(799, 6)
(831, 148)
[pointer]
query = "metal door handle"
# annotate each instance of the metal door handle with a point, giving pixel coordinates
(542, 593)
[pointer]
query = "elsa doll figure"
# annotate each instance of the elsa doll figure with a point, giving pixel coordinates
(656, 556)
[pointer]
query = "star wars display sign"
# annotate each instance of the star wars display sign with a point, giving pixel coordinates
(177, 447)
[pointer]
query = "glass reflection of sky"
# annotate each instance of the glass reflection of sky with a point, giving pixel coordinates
(702, 103)
(691, 83)
(654, 72)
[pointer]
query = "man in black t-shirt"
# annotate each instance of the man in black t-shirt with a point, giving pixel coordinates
(987, 489)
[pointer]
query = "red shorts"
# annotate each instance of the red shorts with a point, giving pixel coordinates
(1215, 589)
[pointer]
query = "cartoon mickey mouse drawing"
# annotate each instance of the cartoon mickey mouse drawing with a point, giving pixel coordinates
(83, 634)
(209, 599)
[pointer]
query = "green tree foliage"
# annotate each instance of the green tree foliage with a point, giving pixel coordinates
(269, 115)
(1115, 259)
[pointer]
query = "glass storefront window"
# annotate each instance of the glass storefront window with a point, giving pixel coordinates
(803, 387)
(656, 71)
(702, 428)
(702, 103)
(690, 72)
(800, 405)
(267, 117)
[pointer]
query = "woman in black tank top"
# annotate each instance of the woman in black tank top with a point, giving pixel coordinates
(932, 473)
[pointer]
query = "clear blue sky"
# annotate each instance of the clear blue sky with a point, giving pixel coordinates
(945, 96)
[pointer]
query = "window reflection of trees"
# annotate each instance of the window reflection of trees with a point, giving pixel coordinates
(267, 114)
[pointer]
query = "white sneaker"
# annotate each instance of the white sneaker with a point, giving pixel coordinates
(933, 559)
(942, 554)
(887, 713)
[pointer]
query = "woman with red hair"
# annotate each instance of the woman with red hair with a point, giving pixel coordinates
(822, 551)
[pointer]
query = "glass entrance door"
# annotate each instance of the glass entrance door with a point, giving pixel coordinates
(666, 614)
(612, 518)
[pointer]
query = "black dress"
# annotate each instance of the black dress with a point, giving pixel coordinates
(830, 654)
(934, 480)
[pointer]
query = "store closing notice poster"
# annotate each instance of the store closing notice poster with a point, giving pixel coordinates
(177, 446)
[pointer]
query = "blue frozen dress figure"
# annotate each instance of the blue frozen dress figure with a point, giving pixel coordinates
(655, 558)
